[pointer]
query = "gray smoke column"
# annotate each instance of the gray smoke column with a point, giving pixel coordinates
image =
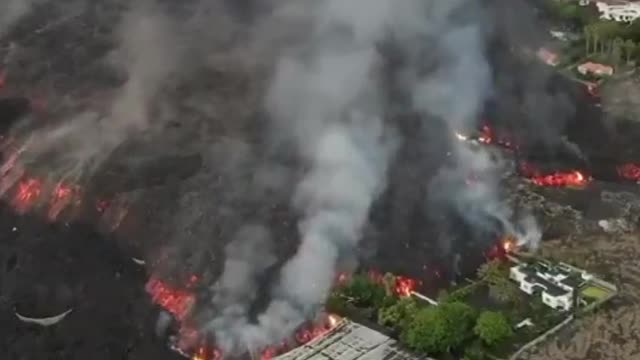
(326, 101)
(13, 10)
(456, 92)
(77, 146)
(247, 257)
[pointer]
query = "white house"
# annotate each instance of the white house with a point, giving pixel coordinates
(619, 11)
(555, 284)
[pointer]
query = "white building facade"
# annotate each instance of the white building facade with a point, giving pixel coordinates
(554, 285)
(623, 12)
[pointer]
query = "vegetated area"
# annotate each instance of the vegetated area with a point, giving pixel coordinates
(604, 41)
(485, 318)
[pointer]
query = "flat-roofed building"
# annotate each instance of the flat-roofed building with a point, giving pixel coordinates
(351, 341)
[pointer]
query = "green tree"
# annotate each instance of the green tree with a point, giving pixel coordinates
(629, 47)
(398, 315)
(364, 292)
(495, 274)
(616, 53)
(475, 351)
(493, 271)
(336, 304)
(439, 329)
(587, 39)
(504, 291)
(493, 328)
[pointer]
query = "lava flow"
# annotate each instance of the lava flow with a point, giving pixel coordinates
(629, 171)
(175, 301)
(572, 178)
(179, 302)
(26, 193)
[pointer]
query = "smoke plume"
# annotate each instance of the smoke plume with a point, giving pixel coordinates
(77, 147)
(326, 99)
(456, 92)
(12, 11)
(247, 257)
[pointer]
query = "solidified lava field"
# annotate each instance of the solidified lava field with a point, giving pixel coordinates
(210, 168)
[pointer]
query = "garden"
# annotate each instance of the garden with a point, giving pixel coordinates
(487, 318)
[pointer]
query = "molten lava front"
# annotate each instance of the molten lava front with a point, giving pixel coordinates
(180, 303)
(572, 178)
(27, 193)
(629, 171)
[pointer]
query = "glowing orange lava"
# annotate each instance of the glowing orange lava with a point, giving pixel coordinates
(27, 194)
(405, 286)
(573, 178)
(175, 301)
(62, 197)
(629, 171)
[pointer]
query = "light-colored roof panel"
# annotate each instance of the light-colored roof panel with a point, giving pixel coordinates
(350, 341)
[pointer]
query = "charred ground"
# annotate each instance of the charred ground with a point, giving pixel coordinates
(221, 172)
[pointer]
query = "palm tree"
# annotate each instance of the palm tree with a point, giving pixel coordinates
(587, 39)
(616, 52)
(629, 48)
(595, 35)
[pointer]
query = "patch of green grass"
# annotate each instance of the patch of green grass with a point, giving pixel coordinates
(594, 292)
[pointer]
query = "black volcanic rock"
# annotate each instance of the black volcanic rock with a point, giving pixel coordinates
(12, 110)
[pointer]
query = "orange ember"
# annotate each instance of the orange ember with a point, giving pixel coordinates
(405, 286)
(487, 136)
(176, 302)
(509, 245)
(573, 178)
(62, 196)
(629, 171)
(27, 194)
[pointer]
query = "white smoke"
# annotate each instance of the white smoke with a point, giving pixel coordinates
(456, 92)
(247, 257)
(326, 100)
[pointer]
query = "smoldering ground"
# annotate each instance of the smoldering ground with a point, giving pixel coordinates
(288, 105)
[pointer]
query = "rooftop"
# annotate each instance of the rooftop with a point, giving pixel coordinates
(351, 341)
(551, 288)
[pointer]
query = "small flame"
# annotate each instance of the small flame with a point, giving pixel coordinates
(629, 171)
(509, 245)
(461, 137)
(405, 286)
(27, 194)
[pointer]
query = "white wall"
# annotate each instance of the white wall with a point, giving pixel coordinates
(621, 13)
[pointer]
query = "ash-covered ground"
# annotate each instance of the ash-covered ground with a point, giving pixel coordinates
(205, 160)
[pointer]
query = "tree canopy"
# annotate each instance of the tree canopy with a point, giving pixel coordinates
(364, 292)
(492, 328)
(398, 315)
(439, 329)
